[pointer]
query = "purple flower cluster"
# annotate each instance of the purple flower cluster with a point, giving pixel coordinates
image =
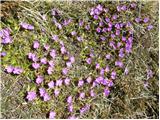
(14, 70)
(5, 36)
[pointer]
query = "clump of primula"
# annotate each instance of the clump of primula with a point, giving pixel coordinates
(109, 29)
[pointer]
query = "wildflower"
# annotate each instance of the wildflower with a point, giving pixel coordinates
(124, 8)
(81, 23)
(51, 84)
(69, 100)
(121, 54)
(64, 71)
(46, 46)
(50, 70)
(113, 36)
(99, 79)
(96, 11)
(105, 10)
(69, 64)
(44, 60)
(42, 92)
(56, 92)
(119, 63)
(102, 71)
(33, 57)
(53, 53)
(128, 24)
(104, 82)
(117, 26)
(137, 20)
(113, 75)
(59, 82)
(126, 71)
(31, 95)
(92, 94)
(149, 73)
(89, 79)
(70, 108)
(82, 95)
(87, 27)
(101, 24)
(110, 83)
(119, 44)
(35, 65)
(94, 84)
(95, 17)
(51, 63)
(9, 69)
(99, 7)
(133, 5)
(46, 97)
(63, 50)
(118, 8)
(6, 40)
(67, 81)
(110, 24)
(114, 17)
(112, 44)
(107, 69)
(72, 59)
(26, 26)
(117, 32)
(149, 27)
(89, 60)
(97, 66)
(55, 37)
(52, 115)
(80, 83)
(3, 54)
(36, 44)
(104, 30)
(107, 19)
(80, 39)
(98, 29)
(109, 29)
(39, 79)
(123, 38)
(84, 109)
(106, 92)
(73, 33)
(17, 70)
(103, 38)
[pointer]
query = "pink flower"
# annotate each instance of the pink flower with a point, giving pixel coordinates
(89, 60)
(63, 50)
(69, 100)
(35, 65)
(64, 71)
(51, 63)
(42, 92)
(53, 53)
(69, 64)
(51, 84)
(50, 70)
(102, 71)
(46, 97)
(97, 66)
(44, 60)
(107, 69)
(113, 75)
(56, 92)
(26, 26)
(31, 96)
(89, 79)
(55, 38)
(9, 69)
(36, 44)
(80, 83)
(32, 57)
(108, 56)
(70, 108)
(67, 81)
(73, 33)
(119, 64)
(39, 79)
(17, 70)
(82, 95)
(52, 115)
(46, 46)
(106, 92)
(59, 82)
(72, 59)
(92, 94)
